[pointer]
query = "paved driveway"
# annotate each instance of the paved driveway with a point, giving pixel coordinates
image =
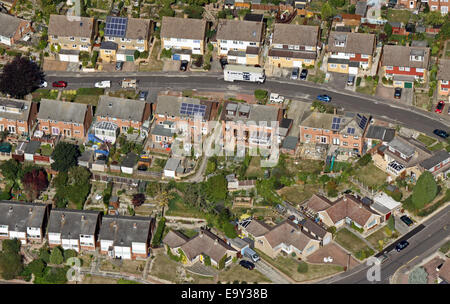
(340, 257)
(267, 270)
(388, 93)
(295, 112)
(338, 80)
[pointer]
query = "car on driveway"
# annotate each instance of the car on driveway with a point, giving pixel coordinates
(143, 95)
(402, 245)
(276, 98)
(398, 93)
(184, 65)
(304, 74)
(119, 65)
(59, 84)
(324, 98)
(351, 80)
(406, 220)
(440, 133)
(440, 106)
(294, 74)
(247, 264)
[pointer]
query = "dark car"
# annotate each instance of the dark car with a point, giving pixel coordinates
(398, 93)
(304, 74)
(406, 220)
(59, 84)
(142, 168)
(324, 98)
(294, 74)
(440, 133)
(247, 264)
(223, 62)
(440, 106)
(119, 65)
(184, 65)
(402, 245)
(143, 95)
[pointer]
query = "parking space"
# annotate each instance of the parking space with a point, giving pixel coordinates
(54, 65)
(339, 256)
(338, 80)
(171, 65)
(388, 93)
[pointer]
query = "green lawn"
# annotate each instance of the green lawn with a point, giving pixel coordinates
(368, 88)
(164, 268)
(46, 150)
(298, 193)
(444, 249)
(254, 168)
(177, 207)
(238, 273)
(384, 235)
(426, 140)
(398, 15)
(436, 147)
(350, 241)
(371, 176)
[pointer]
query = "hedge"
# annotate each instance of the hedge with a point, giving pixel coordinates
(159, 232)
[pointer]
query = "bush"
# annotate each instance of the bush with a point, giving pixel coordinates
(56, 257)
(166, 53)
(136, 54)
(358, 81)
(144, 55)
(260, 94)
(94, 58)
(391, 223)
(159, 232)
(365, 160)
(424, 191)
(302, 267)
(332, 230)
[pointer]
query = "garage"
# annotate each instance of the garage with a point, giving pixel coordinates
(63, 56)
(122, 252)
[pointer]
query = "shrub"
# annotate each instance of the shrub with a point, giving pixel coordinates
(425, 190)
(207, 260)
(358, 81)
(159, 232)
(332, 230)
(391, 223)
(166, 53)
(56, 257)
(260, 94)
(144, 55)
(302, 267)
(366, 159)
(94, 58)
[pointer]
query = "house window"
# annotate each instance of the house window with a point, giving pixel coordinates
(364, 56)
(333, 66)
(140, 41)
(407, 69)
(72, 38)
(444, 82)
(345, 143)
(343, 66)
(74, 45)
(401, 68)
(355, 145)
(83, 39)
(389, 67)
(253, 43)
(12, 129)
(323, 140)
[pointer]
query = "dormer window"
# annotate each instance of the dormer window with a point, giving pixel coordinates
(339, 41)
(416, 58)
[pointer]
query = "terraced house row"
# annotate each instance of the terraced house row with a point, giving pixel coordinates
(80, 230)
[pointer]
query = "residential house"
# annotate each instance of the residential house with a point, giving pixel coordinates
(163, 135)
(67, 119)
(106, 131)
(347, 210)
(405, 64)
(12, 29)
(238, 185)
(439, 5)
(240, 41)
(385, 206)
(253, 228)
(23, 221)
(409, 4)
(293, 45)
(124, 113)
(184, 34)
(251, 125)
(316, 203)
(126, 237)
(344, 131)
(315, 231)
(404, 155)
(348, 52)
(71, 35)
(378, 134)
(17, 116)
(438, 164)
(289, 238)
(289, 145)
(444, 272)
(443, 77)
(73, 229)
(198, 247)
(123, 36)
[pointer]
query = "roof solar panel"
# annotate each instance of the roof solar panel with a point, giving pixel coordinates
(116, 26)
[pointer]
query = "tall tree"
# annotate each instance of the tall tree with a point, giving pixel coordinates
(425, 190)
(327, 11)
(34, 183)
(65, 156)
(10, 259)
(20, 77)
(138, 199)
(11, 169)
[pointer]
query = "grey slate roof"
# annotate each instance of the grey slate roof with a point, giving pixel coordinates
(257, 113)
(17, 216)
(129, 161)
(8, 25)
(70, 26)
(32, 147)
(62, 111)
(293, 34)
(124, 230)
(290, 143)
(436, 159)
(398, 55)
(402, 146)
(175, 239)
(121, 108)
(357, 43)
(381, 209)
(161, 131)
(381, 133)
(184, 28)
(70, 223)
(23, 107)
(313, 227)
(239, 30)
(172, 164)
(108, 45)
(443, 69)
(361, 8)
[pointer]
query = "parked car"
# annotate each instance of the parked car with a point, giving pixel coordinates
(142, 168)
(223, 62)
(324, 98)
(351, 80)
(304, 74)
(440, 106)
(294, 74)
(247, 264)
(402, 245)
(440, 133)
(383, 258)
(59, 84)
(143, 95)
(119, 65)
(184, 65)
(398, 93)
(103, 84)
(406, 220)
(43, 84)
(276, 98)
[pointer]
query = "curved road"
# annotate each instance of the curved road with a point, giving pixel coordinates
(404, 115)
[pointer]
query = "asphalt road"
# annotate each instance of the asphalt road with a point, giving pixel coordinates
(421, 244)
(295, 89)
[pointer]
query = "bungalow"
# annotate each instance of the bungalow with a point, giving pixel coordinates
(67, 119)
(289, 238)
(18, 117)
(347, 210)
(444, 272)
(316, 204)
(175, 36)
(198, 248)
(73, 229)
(347, 52)
(23, 221)
(438, 164)
(12, 29)
(126, 237)
(405, 64)
(443, 77)
(253, 228)
(293, 45)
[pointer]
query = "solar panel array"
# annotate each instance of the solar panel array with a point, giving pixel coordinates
(336, 123)
(351, 130)
(362, 121)
(116, 26)
(192, 109)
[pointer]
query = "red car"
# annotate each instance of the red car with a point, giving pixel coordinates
(59, 84)
(440, 107)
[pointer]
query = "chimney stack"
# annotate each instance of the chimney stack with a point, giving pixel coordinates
(134, 225)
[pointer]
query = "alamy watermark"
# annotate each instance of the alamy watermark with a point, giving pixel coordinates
(74, 272)
(374, 272)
